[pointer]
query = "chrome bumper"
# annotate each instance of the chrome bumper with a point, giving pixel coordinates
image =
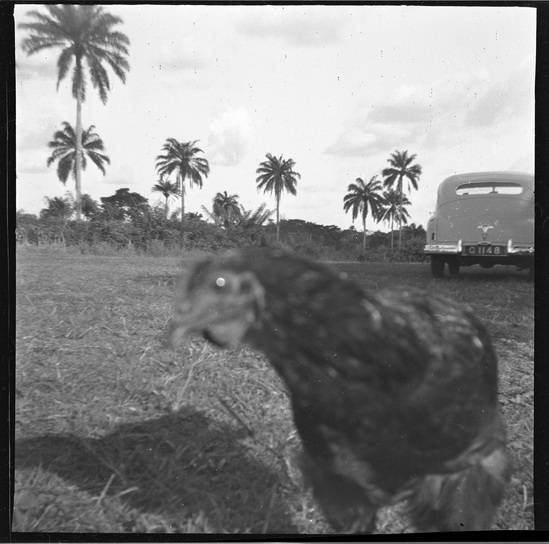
(455, 249)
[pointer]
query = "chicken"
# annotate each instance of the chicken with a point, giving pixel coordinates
(394, 394)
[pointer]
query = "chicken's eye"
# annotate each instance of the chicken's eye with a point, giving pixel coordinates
(220, 283)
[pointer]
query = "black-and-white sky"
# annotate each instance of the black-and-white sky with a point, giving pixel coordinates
(336, 88)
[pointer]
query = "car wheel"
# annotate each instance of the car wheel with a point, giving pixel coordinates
(437, 266)
(453, 266)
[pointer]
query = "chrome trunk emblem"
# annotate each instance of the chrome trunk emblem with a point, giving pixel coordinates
(485, 229)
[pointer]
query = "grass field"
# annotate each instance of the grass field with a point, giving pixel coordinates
(116, 432)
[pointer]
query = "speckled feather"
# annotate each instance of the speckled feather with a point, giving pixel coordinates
(389, 390)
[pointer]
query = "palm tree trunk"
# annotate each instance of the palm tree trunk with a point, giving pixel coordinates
(364, 235)
(78, 188)
(277, 218)
(182, 182)
(392, 234)
(400, 212)
(167, 196)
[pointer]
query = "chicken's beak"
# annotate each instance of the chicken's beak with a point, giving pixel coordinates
(221, 326)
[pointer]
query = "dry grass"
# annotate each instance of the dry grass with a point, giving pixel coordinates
(115, 432)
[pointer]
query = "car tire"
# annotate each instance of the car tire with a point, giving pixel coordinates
(453, 266)
(437, 266)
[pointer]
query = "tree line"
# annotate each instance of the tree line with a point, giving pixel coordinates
(88, 38)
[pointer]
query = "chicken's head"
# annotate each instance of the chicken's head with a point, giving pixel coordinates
(218, 301)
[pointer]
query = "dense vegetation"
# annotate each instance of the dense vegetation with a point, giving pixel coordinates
(87, 37)
(146, 229)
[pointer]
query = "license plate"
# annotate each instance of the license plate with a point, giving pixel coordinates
(486, 249)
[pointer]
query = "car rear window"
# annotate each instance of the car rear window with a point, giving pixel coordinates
(488, 187)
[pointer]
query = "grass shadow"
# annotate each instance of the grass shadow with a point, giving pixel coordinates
(181, 465)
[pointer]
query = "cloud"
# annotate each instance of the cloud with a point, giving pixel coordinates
(523, 164)
(41, 65)
(124, 174)
(442, 114)
(122, 182)
(38, 138)
(180, 56)
(30, 169)
(301, 26)
(354, 143)
(500, 100)
(372, 137)
(406, 107)
(39, 133)
(36, 124)
(229, 137)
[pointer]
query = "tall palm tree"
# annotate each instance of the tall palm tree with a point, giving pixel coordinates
(181, 158)
(168, 189)
(277, 175)
(65, 147)
(401, 167)
(361, 198)
(86, 37)
(393, 209)
(226, 207)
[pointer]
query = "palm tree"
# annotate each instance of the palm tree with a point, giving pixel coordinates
(361, 198)
(168, 189)
(181, 158)
(401, 167)
(226, 207)
(64, 147)
(58, 206)
(90, 208)
(212, 215)
(254, 218)
(85, 35)
(393, 209)
(252, 222)
(277, 175)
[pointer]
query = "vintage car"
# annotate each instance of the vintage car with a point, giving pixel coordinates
(485, 218)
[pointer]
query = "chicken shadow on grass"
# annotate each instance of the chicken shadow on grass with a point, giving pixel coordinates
(180, 466)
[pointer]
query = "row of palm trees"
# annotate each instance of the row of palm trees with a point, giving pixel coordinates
(88, 38)
(387, 206)
(275, 175)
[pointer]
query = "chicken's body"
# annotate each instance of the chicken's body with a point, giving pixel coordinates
(394, 395)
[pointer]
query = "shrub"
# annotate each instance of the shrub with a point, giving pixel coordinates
(151, 232)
